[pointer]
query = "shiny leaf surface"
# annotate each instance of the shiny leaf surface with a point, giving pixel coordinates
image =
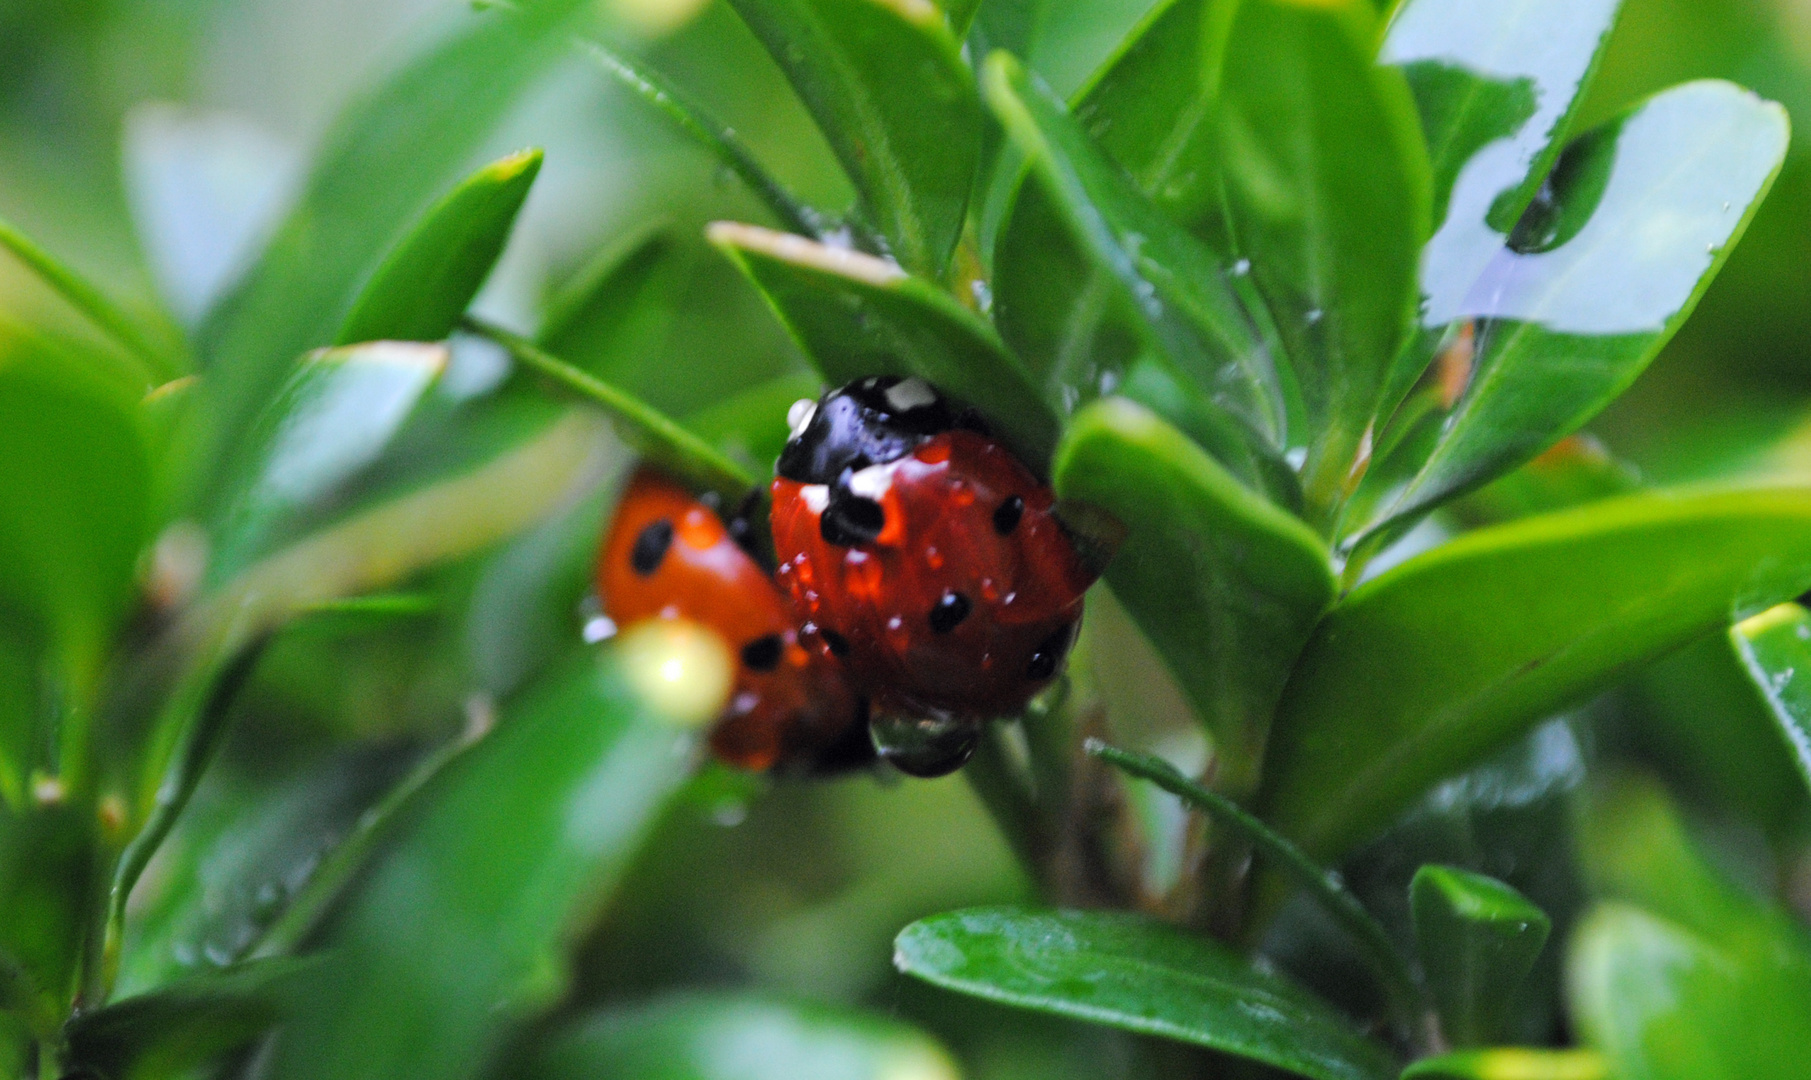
(554, 803)
(1150, 288)
(1424, 670)
(185, 1023)
(856, 316)
(1478, 939)
(1775, 647)
(429, 278)
(1225, 585)
(887, 84)
(1636, 220)
(1138, 975)
(1327, 190)
(737, 1037)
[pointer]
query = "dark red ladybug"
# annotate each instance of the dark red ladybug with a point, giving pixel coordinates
(920, 551)
(669, 555)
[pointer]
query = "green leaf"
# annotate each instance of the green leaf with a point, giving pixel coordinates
(1327, 189)
(1775, 647)
(1426, 669)
(1129, 972)
(185, 1023)
(432, 961)
(1574, 471)
(75, 509)
(887, 84)
(335, 416)
(1151, 289)
(1323, 884)
(1511, 1063)
(751, 427)
(658, 436)
(609, 318)
(49, 882)
(1478, 939)
(717, 138)
(1225, 585)
(429, 278)
(737, 1037)
(161, 359)
(1635, 222)
(856, 316)
(1497, 88)
(384, 161)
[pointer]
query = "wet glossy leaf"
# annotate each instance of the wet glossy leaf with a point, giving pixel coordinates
(1327, 189)
(1682, 975)
(384, 161)
(855, 316)
(429, 278)
(609, 317)
(1478, 940)
(737, 1037)
(553, 804)
(1145, 287)
(75, 490)
(887, 84)
(1225, 585)
(185, 1023)
(1429, 667)
(335, 416)
(1511, 1063)
(1636, 220)
(1138, 975)
(1775, 647)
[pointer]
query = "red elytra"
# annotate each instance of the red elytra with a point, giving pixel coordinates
(966, 596)
(668, 555)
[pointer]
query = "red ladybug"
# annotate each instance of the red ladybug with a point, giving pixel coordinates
(668, 555)
(924, 554)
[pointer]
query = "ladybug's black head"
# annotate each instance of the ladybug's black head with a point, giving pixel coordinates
(867, 422)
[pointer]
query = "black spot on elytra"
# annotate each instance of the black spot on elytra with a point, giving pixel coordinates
(763, 653)
(949, 612)
(839, 645)
(651, 546)
(850, 519)
(1050, 653)
(1007, 515)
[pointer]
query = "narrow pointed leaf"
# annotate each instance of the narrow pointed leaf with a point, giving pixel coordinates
(717, 138)
(887, 84)
(433, 962)
(384, 161)
(1426, 669)
(1225, 585)
(1636, 220)
(334, 417)
(1478, 939)
(1327, 188)
(856, 315)
(1138, 975)
(429, 278)
(737, 1037)
(609, 319)
(1157, 289)
(1512, 1063)
(1775, 647)
(657, 435)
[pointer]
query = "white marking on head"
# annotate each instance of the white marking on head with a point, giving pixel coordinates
(816, 496)
(799, 417)
(909, 394)
(871, 482)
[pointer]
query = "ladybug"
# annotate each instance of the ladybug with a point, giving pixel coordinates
(917, 549)
(669, 555)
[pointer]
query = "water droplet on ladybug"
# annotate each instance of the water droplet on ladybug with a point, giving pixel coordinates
(925, 747)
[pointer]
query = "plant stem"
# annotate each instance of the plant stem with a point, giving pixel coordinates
(89, 300)
(1407, 1001)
